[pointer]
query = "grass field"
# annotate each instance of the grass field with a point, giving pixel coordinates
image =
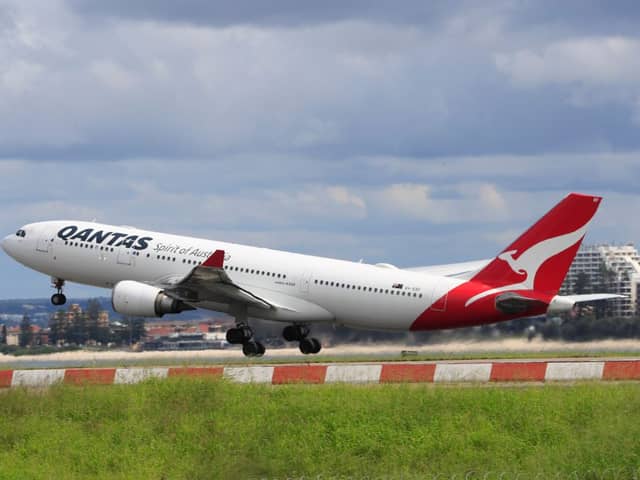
(202, 429)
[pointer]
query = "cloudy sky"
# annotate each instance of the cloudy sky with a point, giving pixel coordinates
(412, 133)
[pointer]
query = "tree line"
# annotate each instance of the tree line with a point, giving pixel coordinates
(80, 327)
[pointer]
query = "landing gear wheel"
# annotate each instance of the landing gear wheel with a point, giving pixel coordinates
(253, 349)
(239, 335)
(295, 333)
(58, 299)
(306, 346)
(317, 346)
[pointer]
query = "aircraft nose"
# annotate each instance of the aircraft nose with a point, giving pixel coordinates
(4, 243)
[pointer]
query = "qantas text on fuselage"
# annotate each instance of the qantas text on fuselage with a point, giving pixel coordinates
(153, 274)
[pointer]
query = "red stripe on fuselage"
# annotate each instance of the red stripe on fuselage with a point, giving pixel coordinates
(478, 313)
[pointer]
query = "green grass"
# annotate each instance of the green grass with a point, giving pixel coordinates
(202, 429)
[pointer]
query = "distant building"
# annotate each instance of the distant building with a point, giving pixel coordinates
(39, 336)
(185, 336)
(13, 336)
(607, 269)
(103, 319)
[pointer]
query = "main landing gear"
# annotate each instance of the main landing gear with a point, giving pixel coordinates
(58, 298)
(243, 334)
(300, 333)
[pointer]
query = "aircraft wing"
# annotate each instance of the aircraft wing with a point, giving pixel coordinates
(464, 270)
(209, 282)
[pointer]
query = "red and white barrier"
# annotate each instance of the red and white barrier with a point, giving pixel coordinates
(392, 372)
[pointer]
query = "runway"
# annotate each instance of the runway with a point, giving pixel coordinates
(372, 352)
(441, 372)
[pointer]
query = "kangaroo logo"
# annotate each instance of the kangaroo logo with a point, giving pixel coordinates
(530, 261)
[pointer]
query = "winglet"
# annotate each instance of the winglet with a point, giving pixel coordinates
(215, 260)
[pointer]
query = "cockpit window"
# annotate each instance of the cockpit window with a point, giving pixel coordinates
(21, 233)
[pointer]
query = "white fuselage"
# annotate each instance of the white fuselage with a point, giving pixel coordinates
(348, 293)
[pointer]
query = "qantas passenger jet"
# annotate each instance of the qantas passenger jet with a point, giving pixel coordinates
(152, 274)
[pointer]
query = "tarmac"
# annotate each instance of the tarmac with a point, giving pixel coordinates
(355, 352)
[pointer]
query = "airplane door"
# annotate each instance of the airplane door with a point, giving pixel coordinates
(43, 244)
(305, 280)
(124, 257)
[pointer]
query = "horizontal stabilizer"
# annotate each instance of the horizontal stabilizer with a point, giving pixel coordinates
(513, 303)
(564, 303)
(592, 297)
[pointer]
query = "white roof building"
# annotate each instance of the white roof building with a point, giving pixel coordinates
(609, 269)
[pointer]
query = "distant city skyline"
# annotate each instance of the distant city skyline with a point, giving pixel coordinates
(413, 134)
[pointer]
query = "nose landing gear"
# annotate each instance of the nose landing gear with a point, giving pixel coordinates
(300, 333)
(58, 298)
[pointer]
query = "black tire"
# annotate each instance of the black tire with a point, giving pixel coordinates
(250, 349)
(317, 346)
(306, 346)
(290, 333)
(260, 349)
(295, 333)
(235, 336)
(58, 299)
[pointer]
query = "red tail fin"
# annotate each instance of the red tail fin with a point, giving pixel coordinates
(540, 258)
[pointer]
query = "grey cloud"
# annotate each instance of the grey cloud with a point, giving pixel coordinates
(273, 13)
(593, 17)
(70, 90)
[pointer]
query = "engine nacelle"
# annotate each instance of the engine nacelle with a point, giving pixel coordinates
(141, 300)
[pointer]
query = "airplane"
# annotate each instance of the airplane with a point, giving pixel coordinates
(151, 274)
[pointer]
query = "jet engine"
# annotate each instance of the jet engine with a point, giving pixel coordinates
(141, 300)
